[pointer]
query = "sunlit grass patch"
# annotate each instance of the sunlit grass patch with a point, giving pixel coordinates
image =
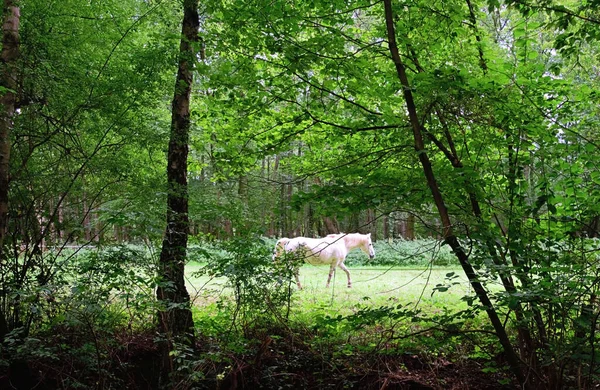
(379, 286)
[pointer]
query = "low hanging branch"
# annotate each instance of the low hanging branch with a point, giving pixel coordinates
(438, 198)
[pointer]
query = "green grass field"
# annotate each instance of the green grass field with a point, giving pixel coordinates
(371, 285)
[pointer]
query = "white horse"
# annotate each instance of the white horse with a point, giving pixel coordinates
(332, 250)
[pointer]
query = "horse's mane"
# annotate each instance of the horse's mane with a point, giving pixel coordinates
(350, 238)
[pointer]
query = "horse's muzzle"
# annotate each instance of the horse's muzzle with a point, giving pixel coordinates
(372, 257)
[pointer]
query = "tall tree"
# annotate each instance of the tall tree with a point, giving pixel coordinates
(175, 317)
(68, 145)
(440, 203)
(8, 86)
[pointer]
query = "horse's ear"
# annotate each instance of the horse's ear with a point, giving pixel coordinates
(369, 234)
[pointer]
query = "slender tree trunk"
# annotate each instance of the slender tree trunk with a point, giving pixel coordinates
(331, 225)
(372, 224)
(309, 221)
(355, 222)
(410, 227)
(8, 84)
(282, 229)
(291, 228)
(175, 319)
(526, 348)
(397, 225)
(386, 227)
(447, 231)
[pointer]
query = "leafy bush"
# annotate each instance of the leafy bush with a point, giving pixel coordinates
(261, 287)
(415, 253)
(97, 297)
(113, 286)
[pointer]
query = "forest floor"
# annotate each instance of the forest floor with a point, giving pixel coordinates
(281, 363)
(271, 362)
(280, 366)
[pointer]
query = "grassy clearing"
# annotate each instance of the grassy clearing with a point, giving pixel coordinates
(375, 287)
(403, 303)
(372, 285)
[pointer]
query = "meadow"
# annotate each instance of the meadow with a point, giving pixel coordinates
(423, 288)
(419, 274)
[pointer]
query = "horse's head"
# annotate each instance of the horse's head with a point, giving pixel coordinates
(368, 246)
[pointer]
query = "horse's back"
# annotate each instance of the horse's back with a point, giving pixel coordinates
(318, 251)
(324, 250)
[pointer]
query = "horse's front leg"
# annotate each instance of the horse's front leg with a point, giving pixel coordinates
(343, 266)
(331, 272)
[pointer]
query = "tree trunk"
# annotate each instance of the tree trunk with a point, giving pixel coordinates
(175, 318)
(355, 222)
(282, 226)
(409, 233)
(8, 86)
(331, 225)
(438, 198)
(291, 229)
(397, 225)
(386, 227)
(372, 224)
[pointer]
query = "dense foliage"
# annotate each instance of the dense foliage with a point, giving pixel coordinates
(457, 133)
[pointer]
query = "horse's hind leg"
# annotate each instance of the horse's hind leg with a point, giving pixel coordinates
(331, 272)
(343, 266)
(296, 274)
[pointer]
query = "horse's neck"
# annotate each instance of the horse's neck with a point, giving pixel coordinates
(352, 241)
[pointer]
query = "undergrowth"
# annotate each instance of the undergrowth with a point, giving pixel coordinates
(97, 331)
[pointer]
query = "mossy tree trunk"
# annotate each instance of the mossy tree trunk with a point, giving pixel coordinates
(8, 101)
(175, 316)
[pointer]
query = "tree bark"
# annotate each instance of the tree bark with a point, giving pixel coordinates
(438, 199)
(331, 225)
(386, 227)
(409, 231)
(8, 83)
(175, 317)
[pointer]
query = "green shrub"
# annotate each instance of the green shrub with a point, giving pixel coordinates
(261, 287)
(110, 287)
(415, 253)
(95, 297)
